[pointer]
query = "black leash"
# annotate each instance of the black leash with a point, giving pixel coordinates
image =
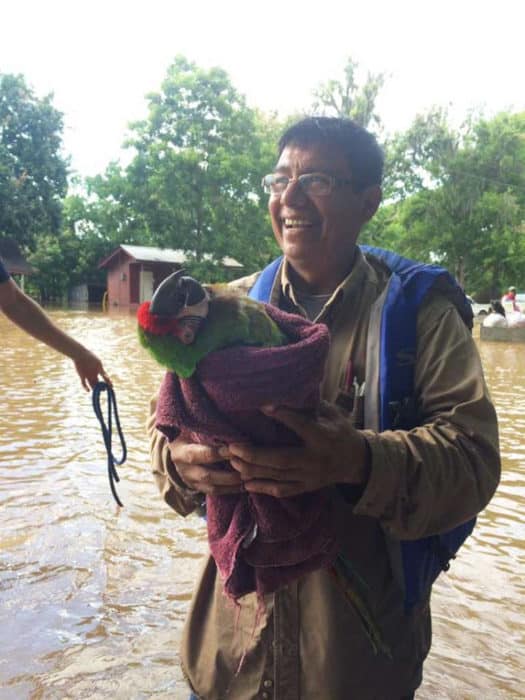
(107, 433)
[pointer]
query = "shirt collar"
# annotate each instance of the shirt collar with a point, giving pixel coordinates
(361, 273)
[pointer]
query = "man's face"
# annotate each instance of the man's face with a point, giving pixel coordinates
(314, 231)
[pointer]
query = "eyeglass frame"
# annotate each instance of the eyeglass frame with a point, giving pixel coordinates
(333, 179)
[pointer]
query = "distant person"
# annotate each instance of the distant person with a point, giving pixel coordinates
(508, 300)
(515, 318)
(31, 318)
(497, 317)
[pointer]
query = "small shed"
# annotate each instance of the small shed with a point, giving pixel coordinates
(134, 272)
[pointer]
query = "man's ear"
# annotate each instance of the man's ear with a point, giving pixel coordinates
(371, 201)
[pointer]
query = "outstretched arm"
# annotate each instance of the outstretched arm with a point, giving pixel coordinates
(31, 318)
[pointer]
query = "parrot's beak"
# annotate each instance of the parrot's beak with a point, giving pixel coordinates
(175, 293)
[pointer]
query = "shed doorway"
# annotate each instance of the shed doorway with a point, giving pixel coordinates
(146, 285)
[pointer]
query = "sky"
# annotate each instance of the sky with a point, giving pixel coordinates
(101, 58)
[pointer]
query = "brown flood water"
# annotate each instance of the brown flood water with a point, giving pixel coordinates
(92, 598)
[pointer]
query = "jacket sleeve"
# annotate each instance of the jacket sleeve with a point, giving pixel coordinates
(444, 472)
(173, 490)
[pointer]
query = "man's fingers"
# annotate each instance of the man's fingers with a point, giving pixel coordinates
(191, 453)
(213, 477)
(266, 457)
(210, 481)
(248, 470)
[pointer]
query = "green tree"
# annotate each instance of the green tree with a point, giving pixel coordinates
(459, 199)
(417, 159)
(347, 98)
(194, 181)
(55, 259)
(33, 172)
(70, 257)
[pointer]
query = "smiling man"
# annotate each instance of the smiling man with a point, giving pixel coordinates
(318, 207)
(405, 444)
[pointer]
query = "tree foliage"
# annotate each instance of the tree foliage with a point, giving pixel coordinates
(350, 99)
(194, 182)
(458, 199)
(417, 159)
(33, 172)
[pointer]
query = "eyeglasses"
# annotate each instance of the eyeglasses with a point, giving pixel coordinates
(315, 184)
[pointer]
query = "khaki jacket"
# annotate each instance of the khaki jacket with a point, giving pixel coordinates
(306, 643)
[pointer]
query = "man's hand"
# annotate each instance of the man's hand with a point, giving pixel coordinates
(89, 368)
(197, 467)
(333, 452)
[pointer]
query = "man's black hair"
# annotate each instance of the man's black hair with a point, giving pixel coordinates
(365, 156)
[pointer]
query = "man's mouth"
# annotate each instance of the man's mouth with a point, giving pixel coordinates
(297, 223)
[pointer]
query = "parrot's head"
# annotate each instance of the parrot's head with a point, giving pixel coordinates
(169, 323)
(182, 302)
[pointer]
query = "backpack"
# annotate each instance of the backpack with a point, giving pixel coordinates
(416, 563)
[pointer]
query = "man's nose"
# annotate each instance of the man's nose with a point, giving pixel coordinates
(294, 193)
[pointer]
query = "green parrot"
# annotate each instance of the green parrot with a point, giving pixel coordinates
(185, 321)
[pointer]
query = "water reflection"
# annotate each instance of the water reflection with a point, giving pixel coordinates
(92, 598)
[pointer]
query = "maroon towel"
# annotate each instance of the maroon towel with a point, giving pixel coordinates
(259, 542)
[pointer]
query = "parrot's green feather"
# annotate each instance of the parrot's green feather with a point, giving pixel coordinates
(231, 320)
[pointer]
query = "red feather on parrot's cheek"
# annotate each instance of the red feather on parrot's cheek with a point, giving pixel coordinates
(155, 324)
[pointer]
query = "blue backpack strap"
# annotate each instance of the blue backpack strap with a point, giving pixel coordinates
(262, 289)
(424, 559)
(407, 288)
